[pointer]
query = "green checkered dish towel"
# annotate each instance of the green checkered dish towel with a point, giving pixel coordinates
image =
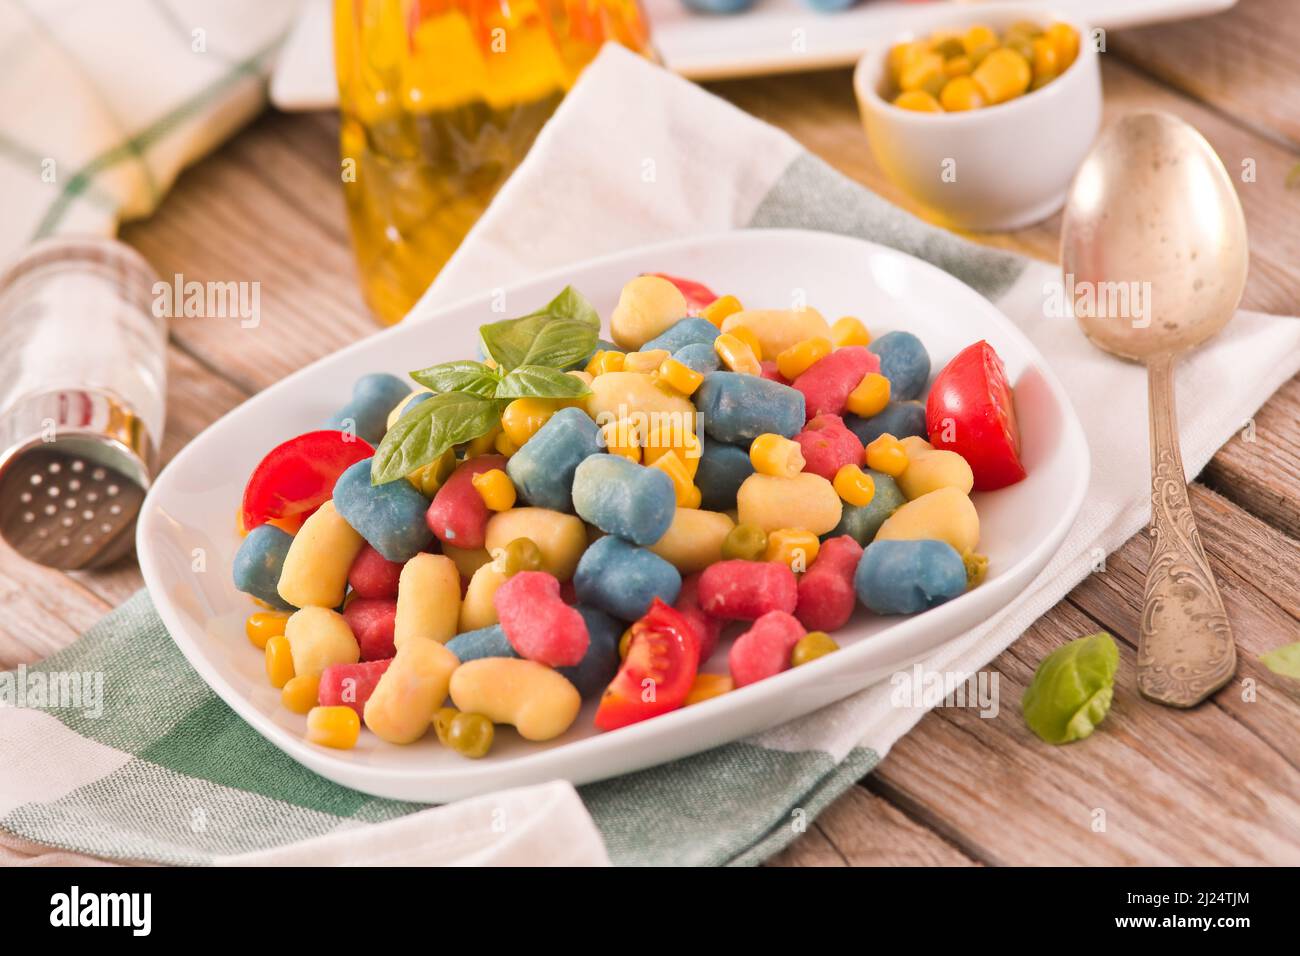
(169, 773)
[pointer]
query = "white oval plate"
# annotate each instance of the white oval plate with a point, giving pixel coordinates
(193, 503)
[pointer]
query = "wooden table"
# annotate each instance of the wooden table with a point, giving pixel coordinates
(1220, 784)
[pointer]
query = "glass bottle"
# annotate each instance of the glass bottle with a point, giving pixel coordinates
(439, 102)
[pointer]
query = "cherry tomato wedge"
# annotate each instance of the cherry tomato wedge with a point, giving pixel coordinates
(697, 294)
(657, 674)
(970, 411)
(297, 477)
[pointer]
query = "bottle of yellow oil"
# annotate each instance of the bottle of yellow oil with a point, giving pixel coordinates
(439, 101)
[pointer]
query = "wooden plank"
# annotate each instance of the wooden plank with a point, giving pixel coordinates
(1259, 468)
(230, 219)
(810, 849)
(1242, 61)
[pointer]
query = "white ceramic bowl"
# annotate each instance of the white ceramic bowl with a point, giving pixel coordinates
(1010, 164)
(192, 504)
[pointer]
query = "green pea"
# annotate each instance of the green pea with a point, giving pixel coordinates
(811, 646)
(470, 735)
(744, 542)
(442, 718)
(522, 554)
(1072, 689)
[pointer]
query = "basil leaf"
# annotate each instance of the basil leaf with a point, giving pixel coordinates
(428, 430)
(461, 376)
(537, 340)
(561, 343)
(507, 342)
(571, 304)
(538, 381)
(1071, 691)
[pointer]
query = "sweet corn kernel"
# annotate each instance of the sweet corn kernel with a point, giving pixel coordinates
(708, 686)
(679, 377)
(605, 360)
(622, 438)
(301, 693)
(870, 396)
(772, 454)
(961, 93)
(903, 55)
(957, 66)
(794, 547)
(484, 444)
(504, 446)
(887, 455)
(688, 496)
(427, 479)
(1066, 40)
(645, 361)
(337, 727)
(849, 331)
(979, 41)
(736, 355)
(750, 338)
(924, 74)
(1046, 62)
(1025, 28)
(279, 661)
(1003, 75)
(720, 308)
(854, 485)
(918, 101)
(263, 626)
(496, 489)
(802, 356)
(685, 443)
(524, 416)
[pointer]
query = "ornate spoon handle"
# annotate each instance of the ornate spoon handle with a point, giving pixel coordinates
(1185, 648)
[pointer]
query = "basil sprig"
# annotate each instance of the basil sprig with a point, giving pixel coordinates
(529, 353)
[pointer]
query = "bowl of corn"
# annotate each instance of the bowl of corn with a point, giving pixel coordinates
(984, 117)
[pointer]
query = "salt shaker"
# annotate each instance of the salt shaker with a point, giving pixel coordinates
(82, 386)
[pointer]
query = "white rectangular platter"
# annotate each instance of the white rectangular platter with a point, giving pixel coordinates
(193, 503)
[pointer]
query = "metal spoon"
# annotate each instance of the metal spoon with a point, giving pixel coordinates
(1153, 214)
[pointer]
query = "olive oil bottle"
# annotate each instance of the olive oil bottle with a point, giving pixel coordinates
(439, 101)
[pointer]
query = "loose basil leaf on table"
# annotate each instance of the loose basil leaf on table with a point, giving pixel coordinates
(460, 376)
(428, 430)
(538, 381)
(1072, 689)
(1284, 660)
